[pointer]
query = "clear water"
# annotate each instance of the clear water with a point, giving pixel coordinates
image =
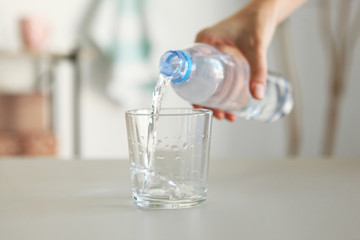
(149, 175)
(169, 180)
(158, 94)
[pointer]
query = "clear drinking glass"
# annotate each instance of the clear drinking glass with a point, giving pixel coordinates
(175, 174)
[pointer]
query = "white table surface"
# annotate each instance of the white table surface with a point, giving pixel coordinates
(247, 199)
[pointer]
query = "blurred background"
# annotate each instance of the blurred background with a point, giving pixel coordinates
(70, 69)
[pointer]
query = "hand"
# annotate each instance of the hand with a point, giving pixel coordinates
(219, 114)
(246, 34)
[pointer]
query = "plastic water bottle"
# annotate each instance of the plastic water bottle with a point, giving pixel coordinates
(205, 76)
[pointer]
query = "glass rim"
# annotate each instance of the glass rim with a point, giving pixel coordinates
(170, 112)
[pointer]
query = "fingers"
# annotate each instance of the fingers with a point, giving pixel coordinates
(213, 37)
(205, 36)
(258, 73)
(255, 54)
(231, 117)
(197, 106)
(219, 114)
(216, 112)
(231, 50)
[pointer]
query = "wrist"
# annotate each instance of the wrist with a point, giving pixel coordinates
(272, 8)
(281, 9)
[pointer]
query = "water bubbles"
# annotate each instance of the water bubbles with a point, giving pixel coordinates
(185, 145)
(159, 142)
(203, 135)
(174, 148)
(142, 138)
(160, 157)
(178, 157)
(133, 142)
(141, 152)
(167, 146)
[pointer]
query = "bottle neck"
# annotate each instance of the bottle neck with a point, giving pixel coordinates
(176, 65)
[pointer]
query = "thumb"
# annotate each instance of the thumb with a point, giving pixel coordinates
(258, 73)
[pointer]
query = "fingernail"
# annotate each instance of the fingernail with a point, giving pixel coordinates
(220, 115)
(231, 117)
(259, 90)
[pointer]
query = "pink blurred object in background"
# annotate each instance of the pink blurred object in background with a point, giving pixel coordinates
(38, 144)
(3, 112)
(9, 144)
(24, 112)
(30, 112)
(25, 127)
(34, 32)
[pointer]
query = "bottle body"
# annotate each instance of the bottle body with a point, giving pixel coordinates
(217, 80)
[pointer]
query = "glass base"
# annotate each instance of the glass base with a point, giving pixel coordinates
(167, 204)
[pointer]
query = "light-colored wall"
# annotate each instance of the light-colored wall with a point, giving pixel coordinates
(173, 25)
